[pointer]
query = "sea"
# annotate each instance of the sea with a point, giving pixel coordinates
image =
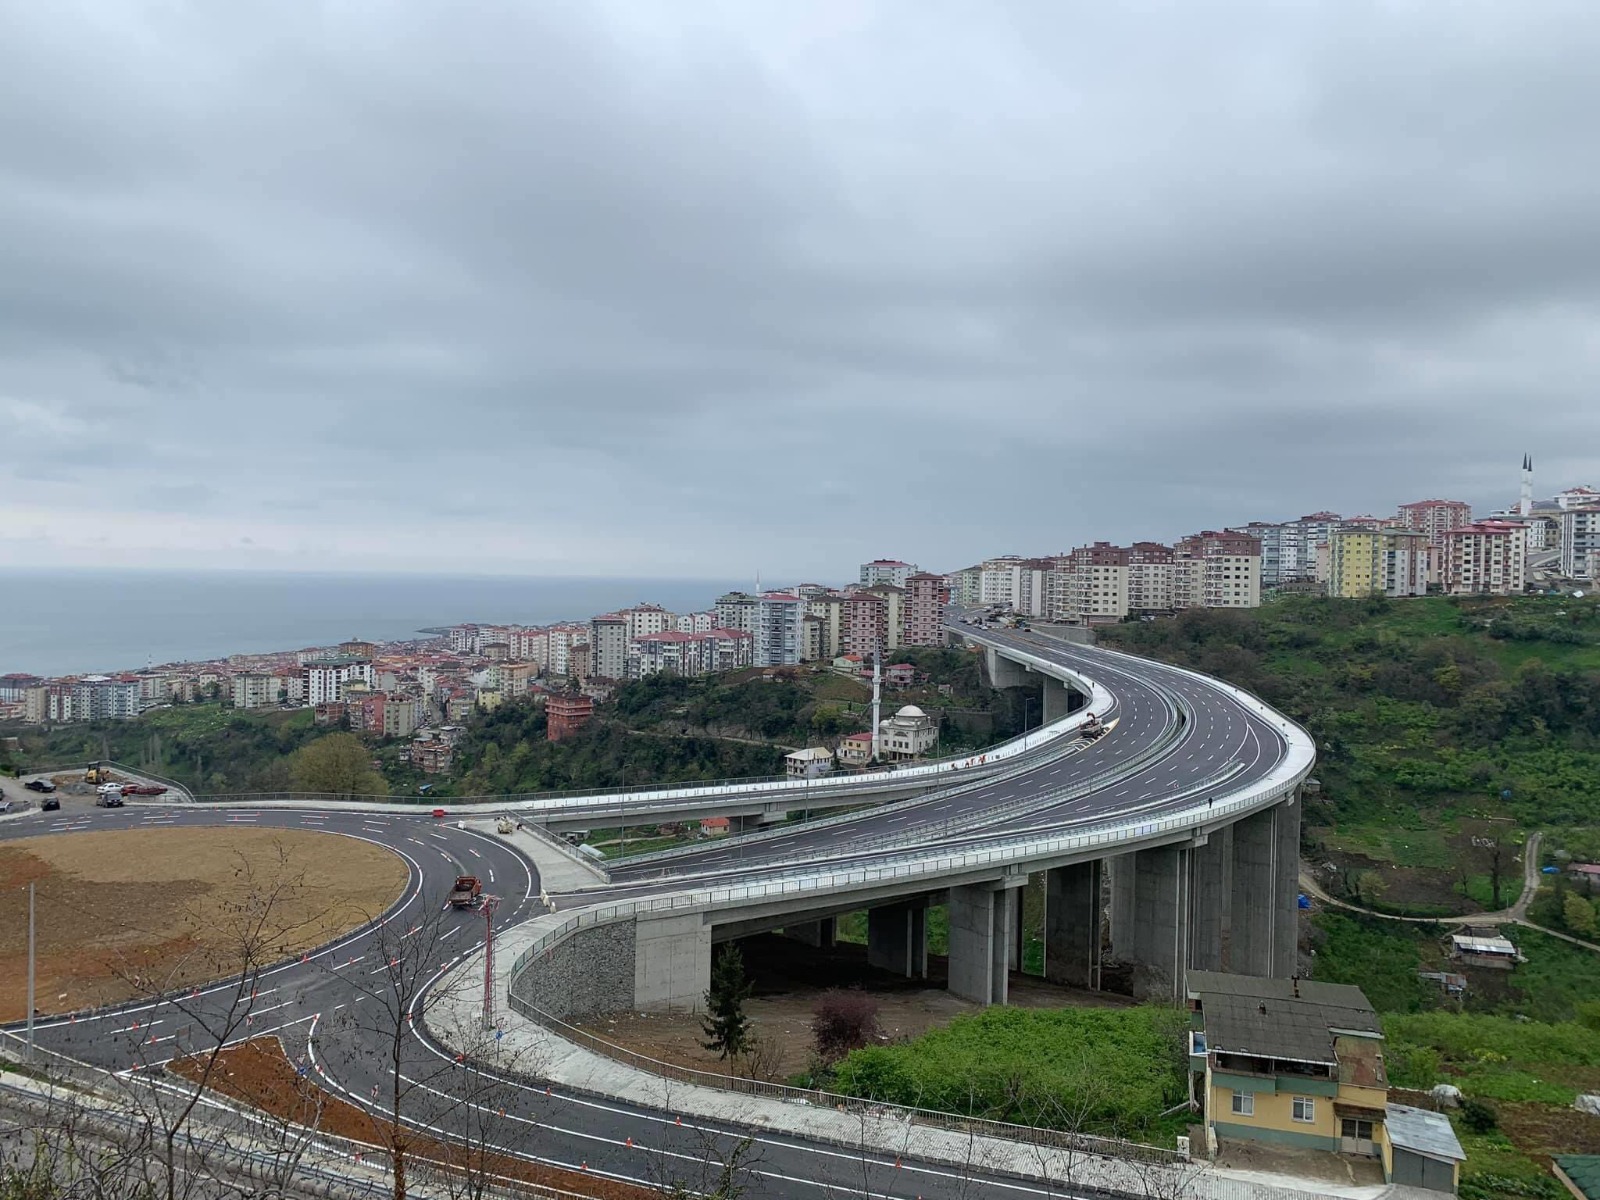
(76, 622)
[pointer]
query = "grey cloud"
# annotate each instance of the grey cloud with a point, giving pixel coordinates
(955, 277)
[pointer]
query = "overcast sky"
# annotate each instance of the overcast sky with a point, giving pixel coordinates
(702, 288)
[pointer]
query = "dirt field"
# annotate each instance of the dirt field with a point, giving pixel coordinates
(121, 912)
(259, 1073)
(789, 977)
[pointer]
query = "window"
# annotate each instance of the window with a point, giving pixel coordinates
(1244, 1104)
(1361, 1131)
(1305, 1109)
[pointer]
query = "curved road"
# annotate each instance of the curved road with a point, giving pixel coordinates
(345, 1011)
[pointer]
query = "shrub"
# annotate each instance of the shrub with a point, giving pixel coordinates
(842, 1021)
(1478, 1116)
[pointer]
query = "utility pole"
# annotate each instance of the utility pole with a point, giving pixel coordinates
(31, 955)
(489, 903)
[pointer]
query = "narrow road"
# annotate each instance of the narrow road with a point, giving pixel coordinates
(1515, 915)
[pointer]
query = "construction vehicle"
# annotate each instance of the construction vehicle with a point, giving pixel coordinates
(1092, 728)
(97, 773)
(467, 893)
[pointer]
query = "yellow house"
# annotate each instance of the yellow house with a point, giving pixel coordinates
(1294, 1062)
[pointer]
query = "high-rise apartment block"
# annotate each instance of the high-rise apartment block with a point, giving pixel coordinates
(1389, 562)
(778, 632)
(887, 570)
(608, 646)
(737, 610)
(864, 625)
(1228, 574)
(925, 598)
(1580, 543)
(1435, 517)
(1485, 558)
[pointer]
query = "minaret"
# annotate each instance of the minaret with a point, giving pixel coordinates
(877, 699)
(1525, 504)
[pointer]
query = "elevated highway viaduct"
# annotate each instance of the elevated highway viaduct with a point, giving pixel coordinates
(1174, 839)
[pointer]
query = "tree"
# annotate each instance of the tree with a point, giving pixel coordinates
(725, 1025)
(1579, 915)
(338, 764)
(842, 1021)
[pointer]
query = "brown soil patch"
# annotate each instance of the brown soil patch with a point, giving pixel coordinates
(121, 913)
(789, 976)
(259, 1073)
(1541, 1130)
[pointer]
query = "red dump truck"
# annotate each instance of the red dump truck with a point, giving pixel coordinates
(468, 892)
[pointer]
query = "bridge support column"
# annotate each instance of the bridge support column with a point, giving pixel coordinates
(1057, 699)
(1122, 872)
(897, 939)
(813, 933)
(1161, 905)
(672, 963)
(1286, 918)
(1072, 924)
(1004, 673)
(980, 936)
(1211, 884)
(1266, 867)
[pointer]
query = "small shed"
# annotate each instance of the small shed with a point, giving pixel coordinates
(1424, 1148)
(1477, 951)
(1579, 1174)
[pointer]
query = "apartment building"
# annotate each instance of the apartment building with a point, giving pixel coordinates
(695, 622)
(1485, 558)
(965, 586)
(1365, 561)
(737, 610)
(1217, 569)
(1149, 577)
(828, 608)
(1289, 548)
(1096, 584)
(253, 689)
(778, 629)
(324, 680)
(863, 625)
(608, 643)
(887, 570)
(565, 714)
(563, 641)
(1580, 542)
(690, 653)
(894, 613)
(648, 618)
(925, 598)
(1435, 517)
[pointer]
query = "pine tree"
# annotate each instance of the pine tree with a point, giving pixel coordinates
(726, 1027)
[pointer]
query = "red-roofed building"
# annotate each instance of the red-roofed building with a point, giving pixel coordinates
(1486, 558)
(565, 714)
(923, 609)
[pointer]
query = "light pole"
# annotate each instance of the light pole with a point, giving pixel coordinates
(489, 903)
(31, 949)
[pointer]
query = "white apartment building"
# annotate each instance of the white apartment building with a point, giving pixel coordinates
(1150, 577)
(561, 641)
(695, 622)
(1096, 584)
(887, 570)
(1217, 570)
(1000, 581)
(1289, 548)
(778, 632)
(737, 610)
(690, 653)
(828, 608)
(1580, 543)
(1486, 558)
(325, 680)
(253, 690)
(608, 646)
(648, 618)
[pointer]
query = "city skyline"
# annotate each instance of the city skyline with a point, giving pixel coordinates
(436, 296)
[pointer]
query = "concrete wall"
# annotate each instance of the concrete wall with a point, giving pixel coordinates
(672, 963)
(590, 972)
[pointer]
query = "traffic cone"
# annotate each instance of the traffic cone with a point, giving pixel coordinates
(628, 1143)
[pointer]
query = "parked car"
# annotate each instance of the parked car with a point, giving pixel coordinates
(52, 804)
(40, 785)
(5, 806)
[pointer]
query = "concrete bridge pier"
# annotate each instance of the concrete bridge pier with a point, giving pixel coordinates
(1211, 886)
(981, 931)
(897, 938)
(1073, 917)
(820, 934)
(1266, 865)
(1059, 699)
(1162, 904)
(1121, 869)
(1005, 673)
